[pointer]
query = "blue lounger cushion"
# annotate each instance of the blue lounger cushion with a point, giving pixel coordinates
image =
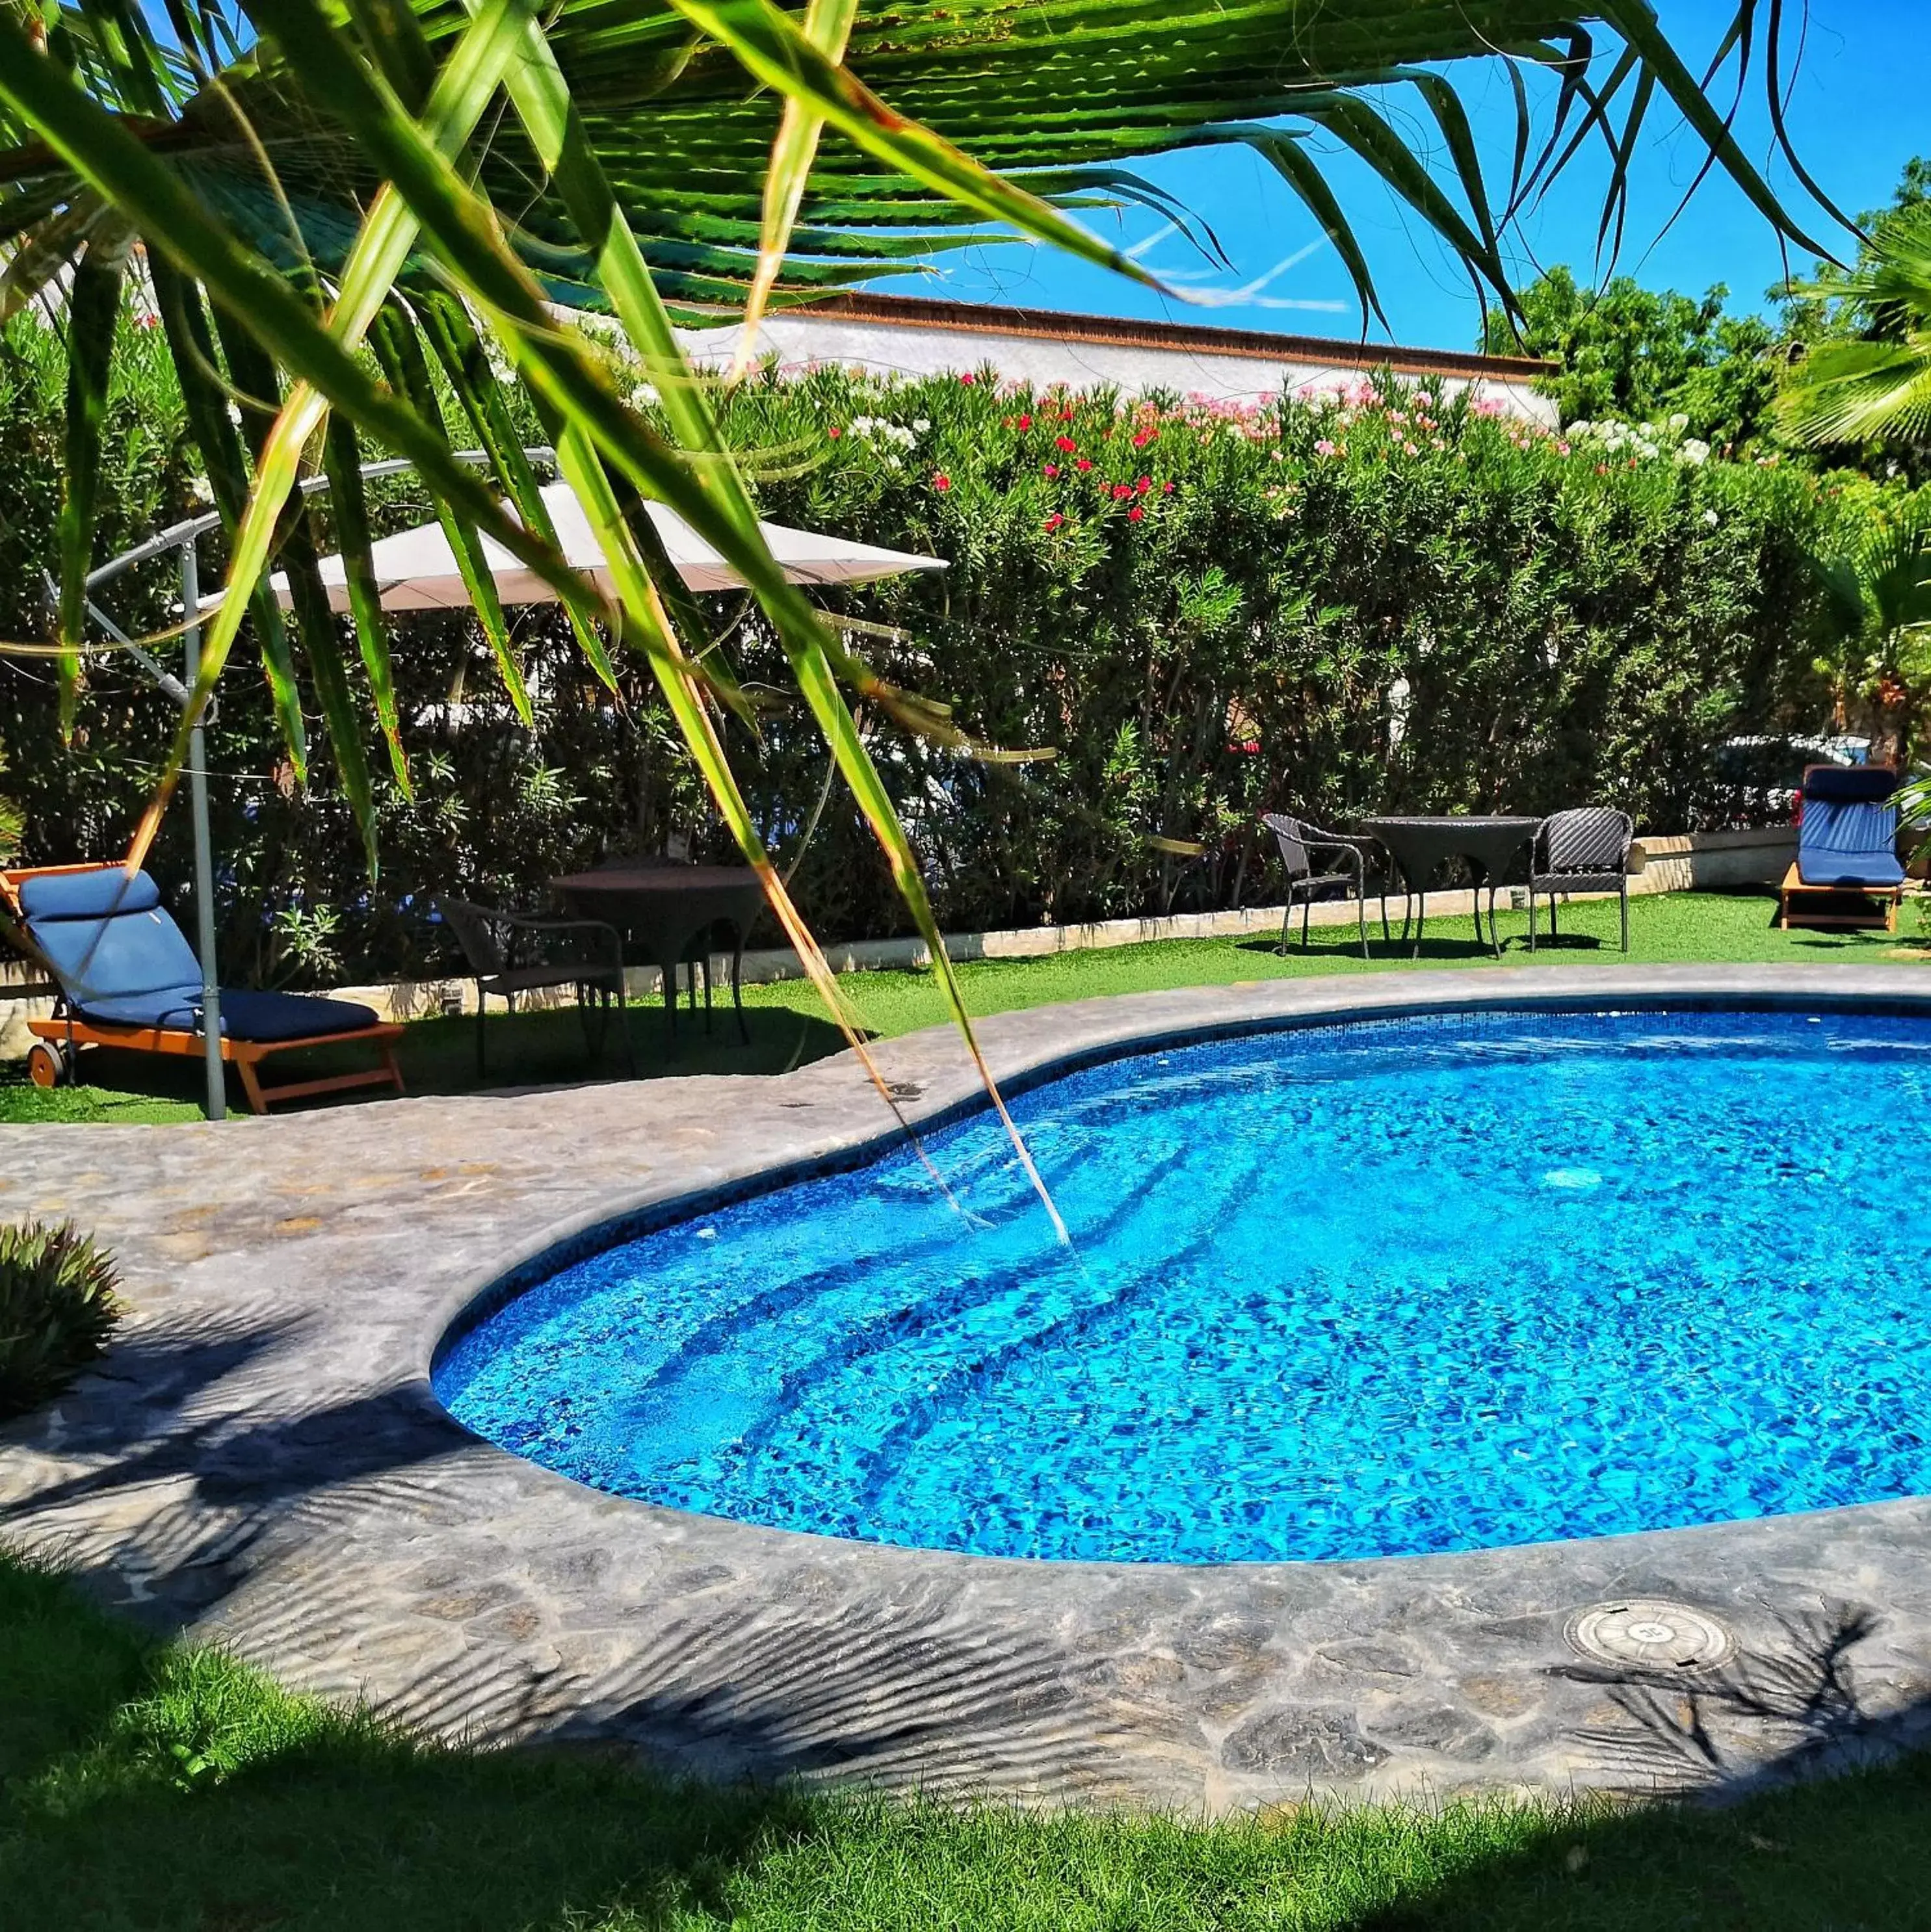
(260, 1018)
(99, 953)
(122, 960)
(1850, 843)
(96, 893)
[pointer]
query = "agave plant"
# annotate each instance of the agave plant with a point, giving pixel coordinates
(57, 1307)
(342, 204)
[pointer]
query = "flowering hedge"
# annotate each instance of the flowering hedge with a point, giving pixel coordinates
(1383, 599)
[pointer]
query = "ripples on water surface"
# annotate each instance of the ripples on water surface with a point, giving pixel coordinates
(1389, 1288)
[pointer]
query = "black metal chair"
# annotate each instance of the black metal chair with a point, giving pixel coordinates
(499, 948)
(1583, 851)
(1301, 843)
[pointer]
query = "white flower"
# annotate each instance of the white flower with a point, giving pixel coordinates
(920, 424)
(1679, 422)
(198, 491)
(1710, 518)
(1695, 450)
(644, 396)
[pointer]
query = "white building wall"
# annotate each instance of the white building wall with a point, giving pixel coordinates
(797, 340)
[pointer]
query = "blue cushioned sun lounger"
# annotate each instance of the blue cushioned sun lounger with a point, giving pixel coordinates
(125, 976)
(1846, 872)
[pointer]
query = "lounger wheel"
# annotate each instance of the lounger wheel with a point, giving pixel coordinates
(48, 1063)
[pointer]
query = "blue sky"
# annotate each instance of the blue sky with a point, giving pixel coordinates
(1860, 108)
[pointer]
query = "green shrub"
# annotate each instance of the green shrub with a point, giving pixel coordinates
(58, 1307)
(1388, 599)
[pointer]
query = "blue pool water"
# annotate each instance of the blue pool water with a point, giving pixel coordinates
(1378, 1289)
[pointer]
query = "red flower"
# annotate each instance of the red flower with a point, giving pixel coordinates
(941, 480)
(1025, 422)
(834, 432)
(1053, 522)
(1144, 484)
(1049, 469)
(1134, 514)
(969, 379)
(1167, 488)
(1142, 438)
(1122, 489)
(1065, 415)
(1083, 463)
(1065, 444)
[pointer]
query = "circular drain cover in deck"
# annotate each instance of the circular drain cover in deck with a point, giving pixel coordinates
(1651, 1631)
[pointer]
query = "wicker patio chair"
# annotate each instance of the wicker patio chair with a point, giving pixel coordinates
(1583, 851)
(501, 949)
(1302, 845)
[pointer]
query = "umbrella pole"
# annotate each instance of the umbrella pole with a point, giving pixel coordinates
(204, 857)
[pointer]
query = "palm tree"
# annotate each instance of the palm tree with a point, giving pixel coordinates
(1881, 586)
(1879, 385)
(315, 182)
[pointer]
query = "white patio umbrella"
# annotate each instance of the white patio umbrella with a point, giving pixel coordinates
(416, 569)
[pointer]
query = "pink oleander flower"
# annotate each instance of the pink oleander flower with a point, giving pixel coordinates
(1049, 469)
(1326, 446)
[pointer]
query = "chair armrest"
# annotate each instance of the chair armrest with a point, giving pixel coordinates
(535, 922)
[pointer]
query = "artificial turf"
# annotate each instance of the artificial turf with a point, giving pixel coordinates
(788, 1028)
(144, 1785)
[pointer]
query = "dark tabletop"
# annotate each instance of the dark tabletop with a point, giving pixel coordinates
(1419, 845)
(651, 882)
(663, 907)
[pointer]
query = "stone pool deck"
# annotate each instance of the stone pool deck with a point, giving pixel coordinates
(260, 1461)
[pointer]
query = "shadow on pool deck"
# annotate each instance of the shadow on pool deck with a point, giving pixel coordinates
(524, 1050)
(170, 1414)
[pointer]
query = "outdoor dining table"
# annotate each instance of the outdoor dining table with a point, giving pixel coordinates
(1418, 846)
(663, 909)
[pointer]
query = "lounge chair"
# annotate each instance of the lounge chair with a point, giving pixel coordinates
(1846, 871)
(1301, 844)
(126, 977)
(1586, 850)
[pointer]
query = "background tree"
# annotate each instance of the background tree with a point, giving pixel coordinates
(1646, 355)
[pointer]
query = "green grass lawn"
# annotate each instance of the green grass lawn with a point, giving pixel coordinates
(788, 1025)
(143, 1786)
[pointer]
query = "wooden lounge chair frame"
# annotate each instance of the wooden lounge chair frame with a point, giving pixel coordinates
(67, 1031)
(1798, 905)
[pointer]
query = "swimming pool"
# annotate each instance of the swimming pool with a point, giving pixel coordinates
(1384, 1288)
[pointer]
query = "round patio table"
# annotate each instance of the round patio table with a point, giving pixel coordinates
(663, 909)
(1487, 846)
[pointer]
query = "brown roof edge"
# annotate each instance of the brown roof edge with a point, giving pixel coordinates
(1191, 338)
